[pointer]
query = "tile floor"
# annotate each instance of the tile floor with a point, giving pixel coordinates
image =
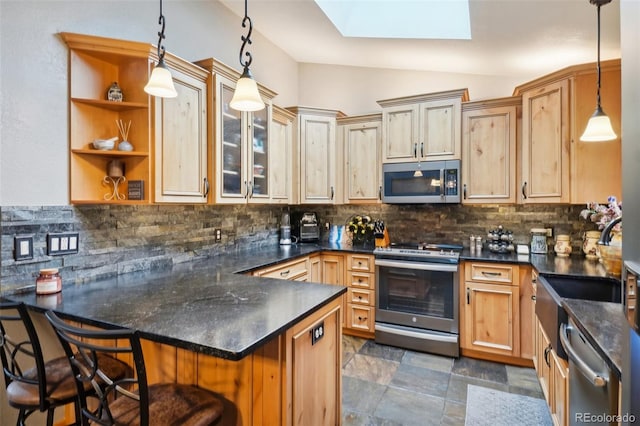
(384, 385)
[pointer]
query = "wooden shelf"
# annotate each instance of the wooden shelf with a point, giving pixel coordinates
(115, 106)
(110, 153)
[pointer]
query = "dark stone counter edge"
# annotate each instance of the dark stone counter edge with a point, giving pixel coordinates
(206, 350)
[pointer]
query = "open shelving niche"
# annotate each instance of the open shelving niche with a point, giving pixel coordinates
(94, 64)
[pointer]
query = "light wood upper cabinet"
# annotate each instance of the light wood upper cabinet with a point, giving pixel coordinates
(94, 64)
(181, 137)
(281, 158)
(362, 139)
(422, 127)
(545, 144)
(489, 150)
(315, 162)
(556, 166)
(241, 141)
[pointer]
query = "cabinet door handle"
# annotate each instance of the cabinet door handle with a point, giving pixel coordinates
(285, 273)
(250, 189)
(422, 149)
(380, 192)
(546, 355)
(468, 296)
(332, 192)
(246, 190)
(415, 150)
(206, 187)
(464, 191)
(524, 190)
(533, 297)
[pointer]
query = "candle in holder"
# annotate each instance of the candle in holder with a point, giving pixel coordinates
(115, 168)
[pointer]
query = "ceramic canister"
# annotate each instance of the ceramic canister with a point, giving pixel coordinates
(539, 241)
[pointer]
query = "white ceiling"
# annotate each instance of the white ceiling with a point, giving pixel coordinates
(509, 37)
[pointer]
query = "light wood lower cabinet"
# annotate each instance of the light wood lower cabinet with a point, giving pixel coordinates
(490, 309)
(361, 298)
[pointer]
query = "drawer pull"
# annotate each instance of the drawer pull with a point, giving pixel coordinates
(491, 274)
(360, 297)
(362, 318)
(285, 273)
(533, 297)
(359, 280)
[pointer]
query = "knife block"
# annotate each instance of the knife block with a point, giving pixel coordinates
(384, 241)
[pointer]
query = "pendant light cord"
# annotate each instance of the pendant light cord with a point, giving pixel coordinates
(598, 64)
(161, 48)
(246, 39)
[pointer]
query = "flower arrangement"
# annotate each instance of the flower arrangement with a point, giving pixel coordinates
(361, 227)
(603, 214)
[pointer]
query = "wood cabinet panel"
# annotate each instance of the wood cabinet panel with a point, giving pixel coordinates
(360, 318)
(181, 142)
(297, 270)
(362, 139)
(489, 150)
(491, 318)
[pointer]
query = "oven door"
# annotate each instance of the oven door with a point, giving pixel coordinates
(417, 294)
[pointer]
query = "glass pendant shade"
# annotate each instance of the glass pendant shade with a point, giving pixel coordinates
(160, 83)
(598, 128)
(246, 97)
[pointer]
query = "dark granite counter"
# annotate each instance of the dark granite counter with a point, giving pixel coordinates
(486, 255)
(603, 325)
(200, 306)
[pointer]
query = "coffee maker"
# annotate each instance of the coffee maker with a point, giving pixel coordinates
(305, 227)
(285, 230)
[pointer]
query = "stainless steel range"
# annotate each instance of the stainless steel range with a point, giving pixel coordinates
(417, 297)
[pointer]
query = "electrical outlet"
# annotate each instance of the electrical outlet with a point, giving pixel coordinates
(550, 232)
(218, 234)
(317, 333)
(327, 225)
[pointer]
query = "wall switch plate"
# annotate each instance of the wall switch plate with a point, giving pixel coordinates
(23, 247)
(62, 243)
(218, 234)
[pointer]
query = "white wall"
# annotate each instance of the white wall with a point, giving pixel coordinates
(355, 90)
(33, 75)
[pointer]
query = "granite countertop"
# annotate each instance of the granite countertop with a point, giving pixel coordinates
(201, 306)
(603, 325)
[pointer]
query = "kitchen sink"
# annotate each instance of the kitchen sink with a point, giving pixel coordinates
(552, 289)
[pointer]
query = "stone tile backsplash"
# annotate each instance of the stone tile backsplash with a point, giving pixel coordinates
(116, 239)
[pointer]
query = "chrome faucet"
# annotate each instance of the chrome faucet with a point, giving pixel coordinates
(605, 237)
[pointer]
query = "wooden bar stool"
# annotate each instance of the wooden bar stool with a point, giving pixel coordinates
(32, 383)
(130, 400)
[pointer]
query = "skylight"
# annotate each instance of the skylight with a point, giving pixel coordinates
(411, 19)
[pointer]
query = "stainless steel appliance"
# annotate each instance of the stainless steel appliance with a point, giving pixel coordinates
(417, 297)
(421, 182)
(305, 227)
(285, 230)
(593, 389)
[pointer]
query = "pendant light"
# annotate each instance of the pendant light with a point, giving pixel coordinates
(160, 83)
(599, 126)
(246, 97)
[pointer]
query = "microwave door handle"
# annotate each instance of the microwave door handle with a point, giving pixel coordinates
(441, 183)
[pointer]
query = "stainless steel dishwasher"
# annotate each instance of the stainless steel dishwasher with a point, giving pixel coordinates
(593, 390)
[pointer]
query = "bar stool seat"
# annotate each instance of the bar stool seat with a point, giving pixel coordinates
(129, 401)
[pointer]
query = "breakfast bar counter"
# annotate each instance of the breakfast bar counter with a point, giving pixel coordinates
(245, 337)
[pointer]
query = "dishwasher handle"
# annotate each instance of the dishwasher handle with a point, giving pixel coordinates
(596, 379)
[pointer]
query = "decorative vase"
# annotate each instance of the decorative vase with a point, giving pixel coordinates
(125, 146)
(590, 244)
(562, 246)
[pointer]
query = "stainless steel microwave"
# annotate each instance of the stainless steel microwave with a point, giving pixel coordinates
(421, 182)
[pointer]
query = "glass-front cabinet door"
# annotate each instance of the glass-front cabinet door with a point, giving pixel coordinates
(259, 145)
(231, 148)
(242, 149)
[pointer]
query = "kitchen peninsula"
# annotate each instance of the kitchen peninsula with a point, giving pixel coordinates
(247, 338)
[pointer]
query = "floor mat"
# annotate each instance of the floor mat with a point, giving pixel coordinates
(496, 408)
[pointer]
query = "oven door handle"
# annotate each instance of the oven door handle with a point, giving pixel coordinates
(422, 266)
